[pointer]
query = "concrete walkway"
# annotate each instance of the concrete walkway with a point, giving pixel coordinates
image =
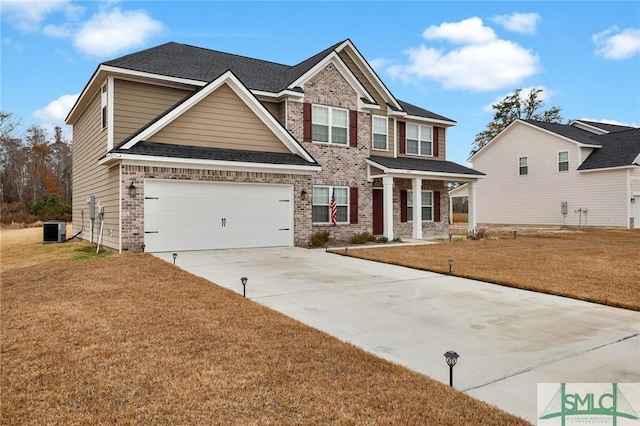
(509, 340)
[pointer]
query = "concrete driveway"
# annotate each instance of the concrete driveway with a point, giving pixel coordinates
(508, 340)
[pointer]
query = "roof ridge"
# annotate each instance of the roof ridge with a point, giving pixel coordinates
(230, 54)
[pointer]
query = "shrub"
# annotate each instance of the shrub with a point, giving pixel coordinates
(382, 240)
(362, 238)
(320, 238)
(478, 234)
(50, 207)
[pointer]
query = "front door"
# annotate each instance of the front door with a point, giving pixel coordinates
(378, 212)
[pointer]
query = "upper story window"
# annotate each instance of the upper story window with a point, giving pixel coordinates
(419, 140)
(380, 130)
(563, 161)
(330, 204)
(523, 163)
(330, 125)
(103, 103)
(427, 205)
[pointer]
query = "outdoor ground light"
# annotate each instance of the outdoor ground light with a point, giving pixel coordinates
(450, 262)
(132, 190)
(515, 234)
(174, 257)
(452, 358)
(244, 280)
(450, 237)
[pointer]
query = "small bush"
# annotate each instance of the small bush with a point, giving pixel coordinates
(50, 207)
(397, 240)
(320, 238)
(362, 238)
(478, 234)
(382, 240)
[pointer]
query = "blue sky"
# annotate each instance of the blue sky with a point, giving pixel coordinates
(453, 58)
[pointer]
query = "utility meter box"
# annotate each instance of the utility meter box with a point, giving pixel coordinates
(564, 207)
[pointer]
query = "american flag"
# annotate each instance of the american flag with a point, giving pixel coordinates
(333, 208)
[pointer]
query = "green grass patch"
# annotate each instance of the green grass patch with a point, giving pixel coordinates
(90, 253)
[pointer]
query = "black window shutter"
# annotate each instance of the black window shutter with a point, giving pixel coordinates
(353, 128)
(403, 205)
(436, 206)
(402, 138)
(353, 205)
(306, 121)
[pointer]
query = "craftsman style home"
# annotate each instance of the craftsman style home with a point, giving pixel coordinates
(183, 148)
(583, 173)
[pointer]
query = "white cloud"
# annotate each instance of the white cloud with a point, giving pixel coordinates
(524, 23)
(379, 63)
(617, 44)
(57, 110)
(28, 15)
(469, 31)
(483, 62)
(57, 31)
(114, 31)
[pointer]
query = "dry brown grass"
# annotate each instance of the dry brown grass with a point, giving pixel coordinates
(460, 218)
(601, 266)
(131, 339)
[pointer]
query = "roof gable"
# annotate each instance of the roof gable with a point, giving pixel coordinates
(230, 80)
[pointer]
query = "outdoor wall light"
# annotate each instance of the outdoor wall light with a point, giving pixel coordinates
(452, 358)
(132, 190)
(174, 257)
(244, 280)
(303, 194)
(450, 262)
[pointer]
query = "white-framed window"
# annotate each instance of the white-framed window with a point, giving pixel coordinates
(563, 161)
(103, 103)
(427, 205)
(322, 203)
(419, 139)
(380, 131)
(330, 125)
(523, 166)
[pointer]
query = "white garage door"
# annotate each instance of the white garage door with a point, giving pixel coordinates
(187, 215)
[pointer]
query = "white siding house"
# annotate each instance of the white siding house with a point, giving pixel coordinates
(581, 174)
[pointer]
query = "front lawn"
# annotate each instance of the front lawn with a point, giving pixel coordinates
(130, 339)
(601, 266)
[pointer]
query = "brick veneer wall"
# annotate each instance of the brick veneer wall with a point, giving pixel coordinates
(133, 208)
(430, 228)
(341, 165)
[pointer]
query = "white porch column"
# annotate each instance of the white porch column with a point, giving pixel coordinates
(473, 213)
(417, 208)
(387, 206)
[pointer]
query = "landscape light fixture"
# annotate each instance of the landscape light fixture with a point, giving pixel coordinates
(515, 234)
(244, 280)
(174, 257)
(450, 235)
(132, 190)
(452, 358)
(450, 262)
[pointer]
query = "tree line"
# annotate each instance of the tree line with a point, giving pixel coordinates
(35, 173)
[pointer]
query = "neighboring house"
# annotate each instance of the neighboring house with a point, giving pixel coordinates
(186, 148)
(580, 174)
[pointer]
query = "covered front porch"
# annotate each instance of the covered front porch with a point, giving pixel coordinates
(397, 210)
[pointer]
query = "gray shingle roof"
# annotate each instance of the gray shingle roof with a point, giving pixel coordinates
(424, 165)
(606, 126)
(618, 149)
(200, 64)
(567, 131)
(181, 151)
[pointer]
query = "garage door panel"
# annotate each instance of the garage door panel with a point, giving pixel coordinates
(182, 215)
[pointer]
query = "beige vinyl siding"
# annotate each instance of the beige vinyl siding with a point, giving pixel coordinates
(363, 80)
(442, 143)
(136, 104)
(276, 109)
(505, 197)
(89, 178)
(221, 120)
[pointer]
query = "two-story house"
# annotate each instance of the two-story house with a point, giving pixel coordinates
(182, 148)
(583, 173)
